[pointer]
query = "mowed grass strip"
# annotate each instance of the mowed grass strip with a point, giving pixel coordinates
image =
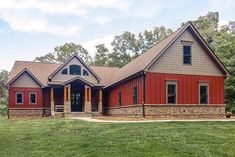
(63, 137)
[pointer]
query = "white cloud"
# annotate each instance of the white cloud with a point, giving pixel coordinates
(90, 45)
(34, 15)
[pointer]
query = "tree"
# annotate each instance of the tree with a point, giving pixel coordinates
(149, 38)
(222, 41)
(101, 55)
(63, 52)
(3, 92)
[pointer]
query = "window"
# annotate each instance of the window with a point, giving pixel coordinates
(203, 90)
(65, 71)
(19, 97)
(74, 70)
(135, 95)
(171, 92)
(85, 73)
(187, 55)
(119, 98)
(32, 98)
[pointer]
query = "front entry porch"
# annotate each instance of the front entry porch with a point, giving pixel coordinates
(76, 98)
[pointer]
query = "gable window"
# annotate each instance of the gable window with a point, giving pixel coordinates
(204, 93)
(19, 97)
(65, 71)
(135, 95)
(171, 91)
(32, 98)
(187, 55)
(119, 98)
(74, 70)
(85, 73)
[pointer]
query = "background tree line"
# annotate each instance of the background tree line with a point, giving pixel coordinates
(127, 46)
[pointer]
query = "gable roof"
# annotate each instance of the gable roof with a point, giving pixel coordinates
(41, 71)
(109, 76)
(65, 63)
(25, 70)
(145, 60)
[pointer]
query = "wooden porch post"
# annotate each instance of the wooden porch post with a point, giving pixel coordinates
(87, 104)
(100, 107)
(67, 103)
(52, 102)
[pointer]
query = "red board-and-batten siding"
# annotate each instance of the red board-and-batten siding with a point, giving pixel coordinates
(155, 90)
(127, 92)
(188, 88)
(25, 91)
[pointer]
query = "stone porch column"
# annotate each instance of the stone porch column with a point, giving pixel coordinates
(87, 104)
(52, 102)
(67, 102)
(100, 107)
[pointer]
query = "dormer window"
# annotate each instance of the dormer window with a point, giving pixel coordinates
(74, 70)
(64, 71)
(85, 73)
(187, 55)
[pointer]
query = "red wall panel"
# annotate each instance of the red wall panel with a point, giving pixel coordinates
(26, 91)
(127, 90)
(187, 88)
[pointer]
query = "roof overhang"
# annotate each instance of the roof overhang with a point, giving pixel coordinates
(19, 74)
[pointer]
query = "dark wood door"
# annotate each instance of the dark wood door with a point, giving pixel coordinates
(76, 102)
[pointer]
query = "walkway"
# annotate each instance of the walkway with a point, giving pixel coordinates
(88, 119)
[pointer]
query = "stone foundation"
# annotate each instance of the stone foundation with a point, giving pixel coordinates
(29, 112)
(178, 111)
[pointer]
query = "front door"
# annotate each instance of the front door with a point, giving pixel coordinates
(76, 102)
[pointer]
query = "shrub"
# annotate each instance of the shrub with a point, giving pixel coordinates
(228, 114)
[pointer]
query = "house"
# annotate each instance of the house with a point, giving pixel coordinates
(180, 77)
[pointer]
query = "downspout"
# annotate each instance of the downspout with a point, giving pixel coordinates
(143, 102)
(8, 99)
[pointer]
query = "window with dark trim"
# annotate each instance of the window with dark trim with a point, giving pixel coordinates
(135, 95)
(32, 98)
(119, 98)
(19, 98)
(187, 55)
(171, 92)
(84, 73)
(74, 70)
(65, 71)
(203, 92)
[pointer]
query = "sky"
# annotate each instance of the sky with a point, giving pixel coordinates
(31, 28)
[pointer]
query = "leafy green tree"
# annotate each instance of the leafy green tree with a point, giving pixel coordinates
(149, 38)
(3, 92)
(63, 52)
(101, 55)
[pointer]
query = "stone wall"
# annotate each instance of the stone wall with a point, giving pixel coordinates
(34, 112)
(170, 111)
(25, 112)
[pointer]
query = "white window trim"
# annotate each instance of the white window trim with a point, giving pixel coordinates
(22, 98)
(199, 95)
(174, 83)
(35, 98)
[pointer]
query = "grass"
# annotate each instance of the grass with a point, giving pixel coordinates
(61, 137)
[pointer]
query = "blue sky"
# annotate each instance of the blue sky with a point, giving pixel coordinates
(31, 28)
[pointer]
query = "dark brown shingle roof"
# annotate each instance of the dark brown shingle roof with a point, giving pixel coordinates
(43, 70)
(112, 75)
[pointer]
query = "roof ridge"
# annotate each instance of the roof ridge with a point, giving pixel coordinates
(36, 62)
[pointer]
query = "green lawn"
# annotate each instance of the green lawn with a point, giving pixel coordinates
(61, 137)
